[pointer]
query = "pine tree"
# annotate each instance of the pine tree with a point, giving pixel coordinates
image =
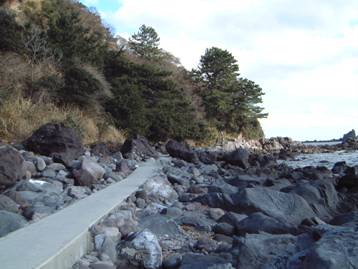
(145, 43)
(231, 103)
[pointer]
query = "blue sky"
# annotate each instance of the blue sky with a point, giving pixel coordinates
(304, 54)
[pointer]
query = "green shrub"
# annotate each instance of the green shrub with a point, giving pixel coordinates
(10, 32)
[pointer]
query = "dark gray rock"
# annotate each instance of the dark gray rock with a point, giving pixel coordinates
(244, 181)
(259, 222)
(339, 168)
(197, 220)
(351, 135)
(232, 218)
(10, 222)
(349, 180)
(259, 251)
(289, 208)
(8, 204)
(172, 261)
(138, 147)
(196, 261)
(207, 157)
(224, 228)
(348, 220)
(57, 141)
(11, 166)
(337, 248)
(239, 157)
(181, 151)
(321, 196)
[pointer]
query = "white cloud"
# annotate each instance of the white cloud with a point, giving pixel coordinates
(304, 54)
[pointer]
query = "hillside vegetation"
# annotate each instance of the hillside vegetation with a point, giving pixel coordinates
(59, 62)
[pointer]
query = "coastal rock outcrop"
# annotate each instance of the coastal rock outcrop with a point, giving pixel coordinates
(181, 151)
(61, 143)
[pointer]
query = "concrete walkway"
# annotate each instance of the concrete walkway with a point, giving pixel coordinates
(59, 240)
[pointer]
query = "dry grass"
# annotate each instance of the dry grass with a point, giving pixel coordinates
(19, 117)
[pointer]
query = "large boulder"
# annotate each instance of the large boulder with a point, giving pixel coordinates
(57, 141)
(258, 251)
(337, 248)
(289, 208)
(321, 195)
(139, 148)
(10, 222)
(181, 151)
(239, 157)
(11, 166)
(90, 173)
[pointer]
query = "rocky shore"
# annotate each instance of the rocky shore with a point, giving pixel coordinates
(223, 210)
(207, 208)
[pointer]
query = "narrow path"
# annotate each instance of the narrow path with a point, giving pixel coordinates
(58, 241)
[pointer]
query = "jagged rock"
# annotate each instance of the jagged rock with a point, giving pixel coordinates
(144, 249)
(320, 194)
(138, 148)
(11, 166)
(10, 222)
(239, 157)
(181, 151)
(57, 141)
(349, 136)
(339, 168)
(337, 248)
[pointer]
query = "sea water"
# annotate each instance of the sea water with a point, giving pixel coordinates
(324, 159)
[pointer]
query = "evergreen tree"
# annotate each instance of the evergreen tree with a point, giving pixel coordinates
(145, 43)
(218, 68)
(231, 103)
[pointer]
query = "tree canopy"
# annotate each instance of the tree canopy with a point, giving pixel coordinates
(145, 43)
(231, 103)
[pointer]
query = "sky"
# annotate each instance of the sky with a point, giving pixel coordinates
(304, 54)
